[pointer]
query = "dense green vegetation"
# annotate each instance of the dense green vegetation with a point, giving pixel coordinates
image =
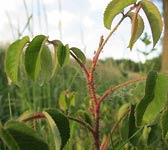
(35, 97)
(51, 104)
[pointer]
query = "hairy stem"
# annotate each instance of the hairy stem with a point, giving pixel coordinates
(112, 89)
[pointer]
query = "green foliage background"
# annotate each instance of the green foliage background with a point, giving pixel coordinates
(31, 96)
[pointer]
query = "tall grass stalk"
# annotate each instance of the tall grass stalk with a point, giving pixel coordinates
(10, 107)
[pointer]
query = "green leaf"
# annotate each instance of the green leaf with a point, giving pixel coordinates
(60, 127)
(25, 137)
(8, 140)
(154, 18)
(132, 128)
(63, 54)
(63, 101)
(123, 109)
(54, 131)
(12, 58)
(79, 54)
(154, 100)
(46, 64)
(137, 28)
(164, 122)
(149, 95)
(159, 99)
(32, 56)
(145, 133)
(55, 58)
(114, 8)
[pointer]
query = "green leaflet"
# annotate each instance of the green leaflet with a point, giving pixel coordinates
(59, 126)
(55, 59)
(149, 95)
(154, 18)
(8, 140)
(66, 100)
(54, 131)
(158, 102)
(164, 121)
(63, 101)
(154, 100)
(63, 54)
(32, 56)
(25, 137)
(46, 64)
(79, 54)
(132, 128)
(137, 28)
(114, 8)
(12, 58)
(123, 109)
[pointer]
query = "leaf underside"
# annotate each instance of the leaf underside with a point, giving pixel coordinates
(137, 28)
(32, 56)
(12, 58)
(154, 18)
(114, 8)
(61, 124)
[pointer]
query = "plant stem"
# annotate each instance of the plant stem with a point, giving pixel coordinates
(36, 116)
(10, 107)
(104, 144)
(82, 123)
(97, 123)
(81, 64)
(112, 89)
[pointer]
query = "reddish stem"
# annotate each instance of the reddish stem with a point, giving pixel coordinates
(81, 64)
(112, 89)
(36, 116)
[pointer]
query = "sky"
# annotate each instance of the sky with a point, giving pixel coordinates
(78, 23)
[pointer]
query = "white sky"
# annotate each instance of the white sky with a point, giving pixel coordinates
(81, 25)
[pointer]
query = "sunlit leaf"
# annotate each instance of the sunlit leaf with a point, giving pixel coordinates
(63, 101)
(79, 54)
(12, 58)
(32, 56)
(60, 127)
(55, 59)
(145, 133)
(46, 64)
(154, 18)
(149, 95)
(25, 137)
(137, 28)
(123, 109)
(154, 100)
(63, 54)
(159, 100)
(114, 8)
